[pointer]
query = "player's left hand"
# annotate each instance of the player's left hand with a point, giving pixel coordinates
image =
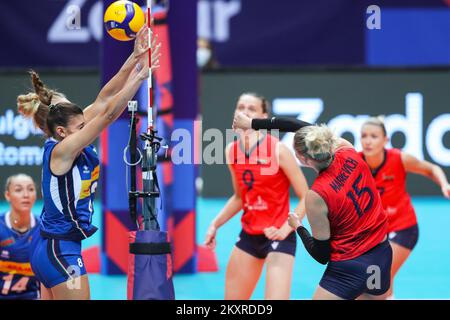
(273, 233)
(141, 67)
(141, 46)
(294, 220)
(141, 42)
(156, 46)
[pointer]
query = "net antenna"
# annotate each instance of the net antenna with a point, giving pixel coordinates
(152, 144)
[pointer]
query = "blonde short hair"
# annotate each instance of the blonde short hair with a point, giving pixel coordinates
(317, 142)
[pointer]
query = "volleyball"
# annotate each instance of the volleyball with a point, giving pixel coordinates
(123, 19)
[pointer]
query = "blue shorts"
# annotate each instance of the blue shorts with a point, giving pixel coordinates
(56, 261)
(259, 246)
(406, 238)
(369, 273)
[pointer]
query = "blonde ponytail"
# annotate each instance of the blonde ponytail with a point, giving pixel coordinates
(30, 106)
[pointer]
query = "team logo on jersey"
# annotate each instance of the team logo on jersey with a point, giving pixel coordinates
(96, 173)
(259, 205)
(85, 189)
(86, 169)
(7, 242)
(275, 245)
(22, 268)
(5, 254)
(86, 184)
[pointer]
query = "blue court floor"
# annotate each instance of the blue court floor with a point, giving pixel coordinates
(426, 275)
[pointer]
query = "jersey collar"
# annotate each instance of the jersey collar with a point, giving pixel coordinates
(377, 169)
(256, 145)
(8, 220)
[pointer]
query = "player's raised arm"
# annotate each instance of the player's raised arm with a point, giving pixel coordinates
(241, 121)
(118, 82)
(68, 149)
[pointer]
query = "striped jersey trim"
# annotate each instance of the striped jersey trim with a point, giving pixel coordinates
(67, 202)
(54, 259)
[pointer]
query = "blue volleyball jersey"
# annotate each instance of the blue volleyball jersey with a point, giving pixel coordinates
(17, 280)
(68, 199)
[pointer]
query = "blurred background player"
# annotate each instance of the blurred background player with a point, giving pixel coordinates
(71, 171)
(266, 237)
(17, 228)
(206, 58)
(390, 168)
(348, 223)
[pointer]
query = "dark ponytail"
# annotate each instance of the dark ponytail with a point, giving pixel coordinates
(45, 94)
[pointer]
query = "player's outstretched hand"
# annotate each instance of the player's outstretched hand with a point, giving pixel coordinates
(141, 42)
(141, 68)
(141, 46)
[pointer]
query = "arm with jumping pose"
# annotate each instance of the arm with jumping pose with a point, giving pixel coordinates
(66, 151)
(120, 79)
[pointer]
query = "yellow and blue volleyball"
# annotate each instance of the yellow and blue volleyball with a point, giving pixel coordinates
(123, 19)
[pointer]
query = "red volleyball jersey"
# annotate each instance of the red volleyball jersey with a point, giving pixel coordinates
(390, 178)
(357, 219)
(263, 185)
